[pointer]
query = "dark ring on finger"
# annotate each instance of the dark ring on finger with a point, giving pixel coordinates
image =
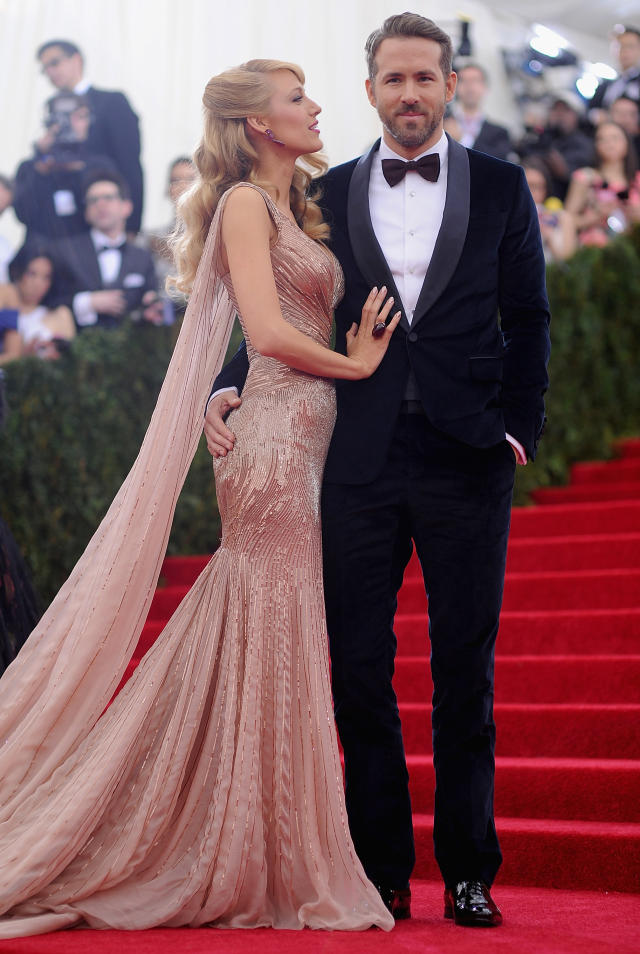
(379, 329)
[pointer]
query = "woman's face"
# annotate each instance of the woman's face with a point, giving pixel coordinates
(611, 143)
(537, 185)
(292, 116)
(35, 282)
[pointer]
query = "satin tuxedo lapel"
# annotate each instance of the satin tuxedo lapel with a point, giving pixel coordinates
(90, 267)
(364, 244)
(452, 234)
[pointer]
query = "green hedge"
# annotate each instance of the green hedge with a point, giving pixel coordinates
(74, 426)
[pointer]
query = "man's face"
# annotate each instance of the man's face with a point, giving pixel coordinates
(471, 89)
(105, 210)
(410, 93)
(6, 198)
(625, 113)
(562, 117)
(629, 50)
(63, 71)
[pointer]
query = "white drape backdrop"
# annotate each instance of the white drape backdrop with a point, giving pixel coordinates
(161, 53)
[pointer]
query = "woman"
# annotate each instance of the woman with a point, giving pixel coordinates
(605, 200)
(42, 329)
(557, 226)
(210, 791)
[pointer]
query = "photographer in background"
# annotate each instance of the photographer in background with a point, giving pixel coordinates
(102, 276)
(48, 195)
(114, 129)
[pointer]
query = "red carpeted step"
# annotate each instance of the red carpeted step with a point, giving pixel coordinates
(579, 552)
(584, 789)
(581, 855)
(542, 631)
(182, 571)
(620, 516)
(627, 447)
(544, 730)
(538, 679)
(607, 472)
(165, 602)
(629, 490)
(560, 590)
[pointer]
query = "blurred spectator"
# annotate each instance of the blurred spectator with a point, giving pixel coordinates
(10, 342)
(182, 174)
(6, 198)
(474, 129)
(48, 195)
(114, 129)
(557, 226)
(562, 144)
(44, 331)
(627, 83)
(605, 199)
(626, 112)
(104, 277)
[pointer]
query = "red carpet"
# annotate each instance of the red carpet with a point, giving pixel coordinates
(568, 756)
(537, 921)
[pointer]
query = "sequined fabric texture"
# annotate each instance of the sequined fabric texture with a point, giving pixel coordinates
(210, 791)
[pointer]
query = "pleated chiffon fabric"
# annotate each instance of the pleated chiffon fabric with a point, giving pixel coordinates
(210, 791)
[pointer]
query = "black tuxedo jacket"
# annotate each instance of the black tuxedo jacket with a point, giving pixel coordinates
(478, 344)
(631, 89)
(114, 132)
(494, 140)
(77, 270)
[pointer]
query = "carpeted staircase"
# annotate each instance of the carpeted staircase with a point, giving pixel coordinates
(567, 684)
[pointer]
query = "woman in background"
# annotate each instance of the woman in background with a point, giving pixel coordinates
(605, 200)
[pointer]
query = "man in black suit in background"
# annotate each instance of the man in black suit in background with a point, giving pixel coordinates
(475, 130)
(100, 275)
(424, 452)
(114, 129)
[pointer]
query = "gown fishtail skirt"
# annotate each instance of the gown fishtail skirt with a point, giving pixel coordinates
(210, 791)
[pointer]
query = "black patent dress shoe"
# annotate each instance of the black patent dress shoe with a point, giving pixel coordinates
(397, 900)
(470, 904)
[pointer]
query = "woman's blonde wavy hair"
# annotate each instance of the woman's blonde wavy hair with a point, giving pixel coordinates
(225, 156)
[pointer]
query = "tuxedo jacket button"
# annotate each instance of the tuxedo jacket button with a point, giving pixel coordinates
(412, 336)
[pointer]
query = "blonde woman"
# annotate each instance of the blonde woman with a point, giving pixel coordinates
(210, 791)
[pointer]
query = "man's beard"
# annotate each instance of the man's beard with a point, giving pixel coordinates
(412, 138)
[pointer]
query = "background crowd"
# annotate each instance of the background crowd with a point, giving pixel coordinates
(86, 263)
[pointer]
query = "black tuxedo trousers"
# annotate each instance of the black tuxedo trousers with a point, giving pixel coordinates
(454, 502)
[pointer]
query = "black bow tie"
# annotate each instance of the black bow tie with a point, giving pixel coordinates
(394, 170)
(110, 248)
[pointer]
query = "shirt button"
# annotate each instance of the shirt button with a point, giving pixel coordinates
(411, 270)
(411, 232)
(412, 194)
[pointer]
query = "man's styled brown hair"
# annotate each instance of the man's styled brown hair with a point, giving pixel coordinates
(409, 25)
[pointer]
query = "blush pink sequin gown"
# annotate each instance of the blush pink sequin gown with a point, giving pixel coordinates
(210, 791)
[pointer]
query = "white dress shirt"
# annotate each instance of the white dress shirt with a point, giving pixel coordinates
(406, 219)
(109, 262)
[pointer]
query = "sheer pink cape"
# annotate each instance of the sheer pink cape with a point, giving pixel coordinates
(72, 663)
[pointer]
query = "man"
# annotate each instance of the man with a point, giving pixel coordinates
(475, 130)
(49, 188)
(425, 451)
(563, 144)
(114, 130)
(626, 112)
(101, 275)
(627, 83)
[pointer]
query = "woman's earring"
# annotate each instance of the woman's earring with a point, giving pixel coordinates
(269, 134)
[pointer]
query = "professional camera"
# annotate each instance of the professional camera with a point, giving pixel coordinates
(68, 118)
